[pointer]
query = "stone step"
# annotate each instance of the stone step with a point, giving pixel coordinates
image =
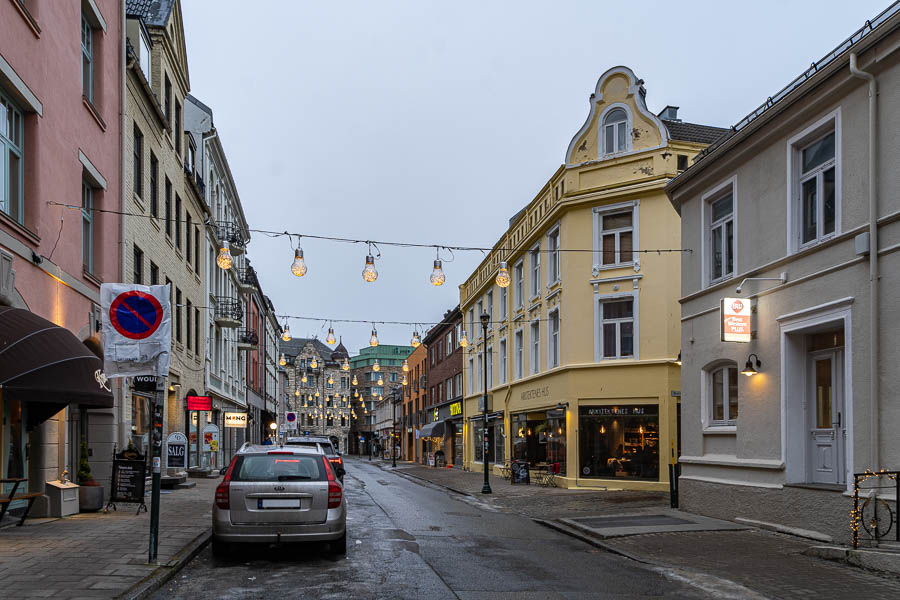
(186, 485)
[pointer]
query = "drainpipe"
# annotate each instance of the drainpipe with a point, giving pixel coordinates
(124, 430)
(874, 357)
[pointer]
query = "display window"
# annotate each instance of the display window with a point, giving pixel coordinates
(495, 441)
(619, 441)
(540, 438)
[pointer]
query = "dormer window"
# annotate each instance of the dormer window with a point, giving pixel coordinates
(144, 55)
(615, 131)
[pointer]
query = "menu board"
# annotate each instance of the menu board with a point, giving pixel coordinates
(128, 479)
(519, 472)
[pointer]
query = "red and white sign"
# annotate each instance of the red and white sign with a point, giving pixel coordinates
(736, 320)
(137, 329)
(199, 403)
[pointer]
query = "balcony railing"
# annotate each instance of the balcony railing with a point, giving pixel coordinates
(229, 232)
(247, 278)
(248, 339)
(228, 312)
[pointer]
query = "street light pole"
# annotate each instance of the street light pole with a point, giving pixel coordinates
(393, 431)
(486, 488)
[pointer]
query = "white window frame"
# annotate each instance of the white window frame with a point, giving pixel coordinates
(503, 360)
(599, 299)
(471, 374)
(534, 354)
(144, 46)
(601, 131)
(534, 268)
(519, 283)
(707, 200)
(479, 368)
(553, 263)
(12, 142)
(449, 343)
(598, 213)
(458, 334)
(504, 303)
(489, 305)
(519, 354)
(479, 309)
(706, 397)
(490, 366)
(795, 145)
(553, 356)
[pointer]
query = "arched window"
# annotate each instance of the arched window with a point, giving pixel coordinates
(615, 131)
(722, 393)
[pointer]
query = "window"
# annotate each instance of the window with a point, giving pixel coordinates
(457, 384)
(87, 227)
(167, 100)
(817, 189)
(177, 131)
(187, 232)
(535, 256)
(723, 394)
(504, 299)
(490, 366)
(682, 161)
(520, 354)
(154, 186)
(721, 236)
(616, 237)
(177, 308)
(480, 367)
(472, 322)
(12, 170)
(471, 375)
(394, 377)
(178, 221)
(449, 385)
(138, 144)
(535, 347)
(553, 351)
(449, 343)
(617, 328)
(489, 304)
(503, 357)
(197, 249)
(138, 266)
(519, 274)
(553, 257)
(87, 59)
(168, 207)
(479, 309)
(189, 314)
(154, 273)
(615, 131)
(144, 59)
(458, 333)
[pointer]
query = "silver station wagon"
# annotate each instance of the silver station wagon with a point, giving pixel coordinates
(275, 494)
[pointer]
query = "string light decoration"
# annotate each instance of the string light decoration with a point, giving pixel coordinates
(380, 380)
(298, 267)
(856, 511)
(404, 381)
(313, 364)
(330, 379)
(463, 340)
(405, 366)
(282, 361)
(330, 340)
(345, 366)
(369, 273)
(415, 342)
(303, 379)
(286, 334)
(437, 277)
(356, 393)
(375, 366)
(354, 381)
(373, 341)
(297, 393)
(224, 259)
(502, 278)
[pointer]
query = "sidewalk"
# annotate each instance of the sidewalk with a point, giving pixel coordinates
(772, 564)
(97, 555)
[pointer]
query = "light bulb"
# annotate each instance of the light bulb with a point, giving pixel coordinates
(374, 393)
(286, 334)
(415, 342)
(405, 366)
(369, 273)
(356, 393)
(380, 380)
(437, 275)
(405, 382)
(224, 259)
(330, 339)
(502, 276)
(297, 393)
(282, 361)
(463, 340)
(373, 341)
(313, 363)
(309, 398)
(376, 367)
(330, 380)
(346, 365)
(380, 398)
(318, 394)
(298, 267)
(354, 381)
(303, 379)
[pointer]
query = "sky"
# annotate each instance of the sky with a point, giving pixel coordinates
(434, 122)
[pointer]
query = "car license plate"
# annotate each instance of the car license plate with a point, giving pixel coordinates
(279, 503)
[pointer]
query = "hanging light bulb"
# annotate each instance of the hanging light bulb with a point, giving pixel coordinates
(318, 394)
(437, 275)
(309, 398)
(373, 341)
(369, 273)
(374, 393)
(346, 365)
(286, 334)
(463, 340)
(356, 393)
(282, 361)
(304, 379)
(415, 342)
(380, 398)
(354, 381)
(330, 379)
(380, 380)
(296, 393)
(298, 267)
(405, 366)
(330, 338)
(224, 259)
(376, 367)
(404, 382)
(313, 363)
(502, 276)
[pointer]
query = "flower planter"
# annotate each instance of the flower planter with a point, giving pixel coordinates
(90, 498)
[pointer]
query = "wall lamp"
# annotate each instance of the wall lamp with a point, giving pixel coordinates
(749, 370)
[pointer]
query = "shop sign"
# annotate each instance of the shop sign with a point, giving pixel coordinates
(137, 329)
(455, 409)
(176, 450)
(437, 413)
(736, 320)
(199, 403)
(144, 383)
(235, 419)
(541, 392)
(211, 438)
(620, 411)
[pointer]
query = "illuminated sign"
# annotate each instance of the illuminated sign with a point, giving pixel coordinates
(235, 419)
(735, 320)
(455, 409)
(199, 403)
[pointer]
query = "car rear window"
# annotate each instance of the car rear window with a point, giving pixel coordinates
(326, 447)
(279, 467)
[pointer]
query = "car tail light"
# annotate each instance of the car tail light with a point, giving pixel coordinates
(335, 493)
(222, 491)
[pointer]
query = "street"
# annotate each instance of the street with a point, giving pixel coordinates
(410, 540)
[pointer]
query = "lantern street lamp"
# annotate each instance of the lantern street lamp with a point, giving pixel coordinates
(486, 488)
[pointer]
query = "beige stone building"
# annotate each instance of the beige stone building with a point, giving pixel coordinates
(162, 185)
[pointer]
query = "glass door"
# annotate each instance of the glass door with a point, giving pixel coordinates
(825, 406)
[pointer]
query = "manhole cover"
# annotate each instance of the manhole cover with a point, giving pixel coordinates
(632, 521)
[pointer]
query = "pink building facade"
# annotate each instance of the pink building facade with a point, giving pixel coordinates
(61, 82)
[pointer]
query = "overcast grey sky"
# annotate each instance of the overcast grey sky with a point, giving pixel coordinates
(435, 122)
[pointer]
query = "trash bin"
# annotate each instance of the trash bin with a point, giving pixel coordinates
(519, 472)
(63, 498)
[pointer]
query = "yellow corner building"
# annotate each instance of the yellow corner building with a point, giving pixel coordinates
(582, 344)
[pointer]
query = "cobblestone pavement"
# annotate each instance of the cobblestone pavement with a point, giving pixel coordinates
(97, 555)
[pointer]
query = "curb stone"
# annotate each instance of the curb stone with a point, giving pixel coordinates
(163, 573)
(410, 475)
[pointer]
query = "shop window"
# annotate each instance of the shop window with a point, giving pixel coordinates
(495, 441)
(619, 442)
(12, 170)
(540, 438)
(722, 394)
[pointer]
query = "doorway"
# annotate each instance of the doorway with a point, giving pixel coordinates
(825, 413)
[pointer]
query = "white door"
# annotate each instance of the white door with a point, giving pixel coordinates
(825, 408)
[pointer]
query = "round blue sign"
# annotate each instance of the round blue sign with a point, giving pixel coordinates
(291, 417)
(136, 315)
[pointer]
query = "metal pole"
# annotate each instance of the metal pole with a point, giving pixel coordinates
(157, 475)
(486, 488)
(393, 432)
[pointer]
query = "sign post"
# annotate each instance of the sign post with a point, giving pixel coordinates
(156, 456)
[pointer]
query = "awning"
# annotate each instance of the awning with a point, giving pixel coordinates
(44, 363)
(435, 429)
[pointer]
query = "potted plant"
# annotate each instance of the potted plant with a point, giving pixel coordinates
(90, 492)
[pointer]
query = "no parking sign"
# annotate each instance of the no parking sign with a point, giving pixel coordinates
(137, 329)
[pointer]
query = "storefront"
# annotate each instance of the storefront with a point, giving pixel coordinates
(442, 436)
(619, 442)
(496, 439)
(539, 437)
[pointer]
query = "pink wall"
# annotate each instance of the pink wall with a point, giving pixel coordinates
(49, 62)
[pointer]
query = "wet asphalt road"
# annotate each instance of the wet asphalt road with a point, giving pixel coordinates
(411, 540)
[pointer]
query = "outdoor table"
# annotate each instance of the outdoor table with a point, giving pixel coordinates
(6, 501)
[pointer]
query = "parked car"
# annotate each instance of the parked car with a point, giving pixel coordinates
(275, 494)
(327, 447)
